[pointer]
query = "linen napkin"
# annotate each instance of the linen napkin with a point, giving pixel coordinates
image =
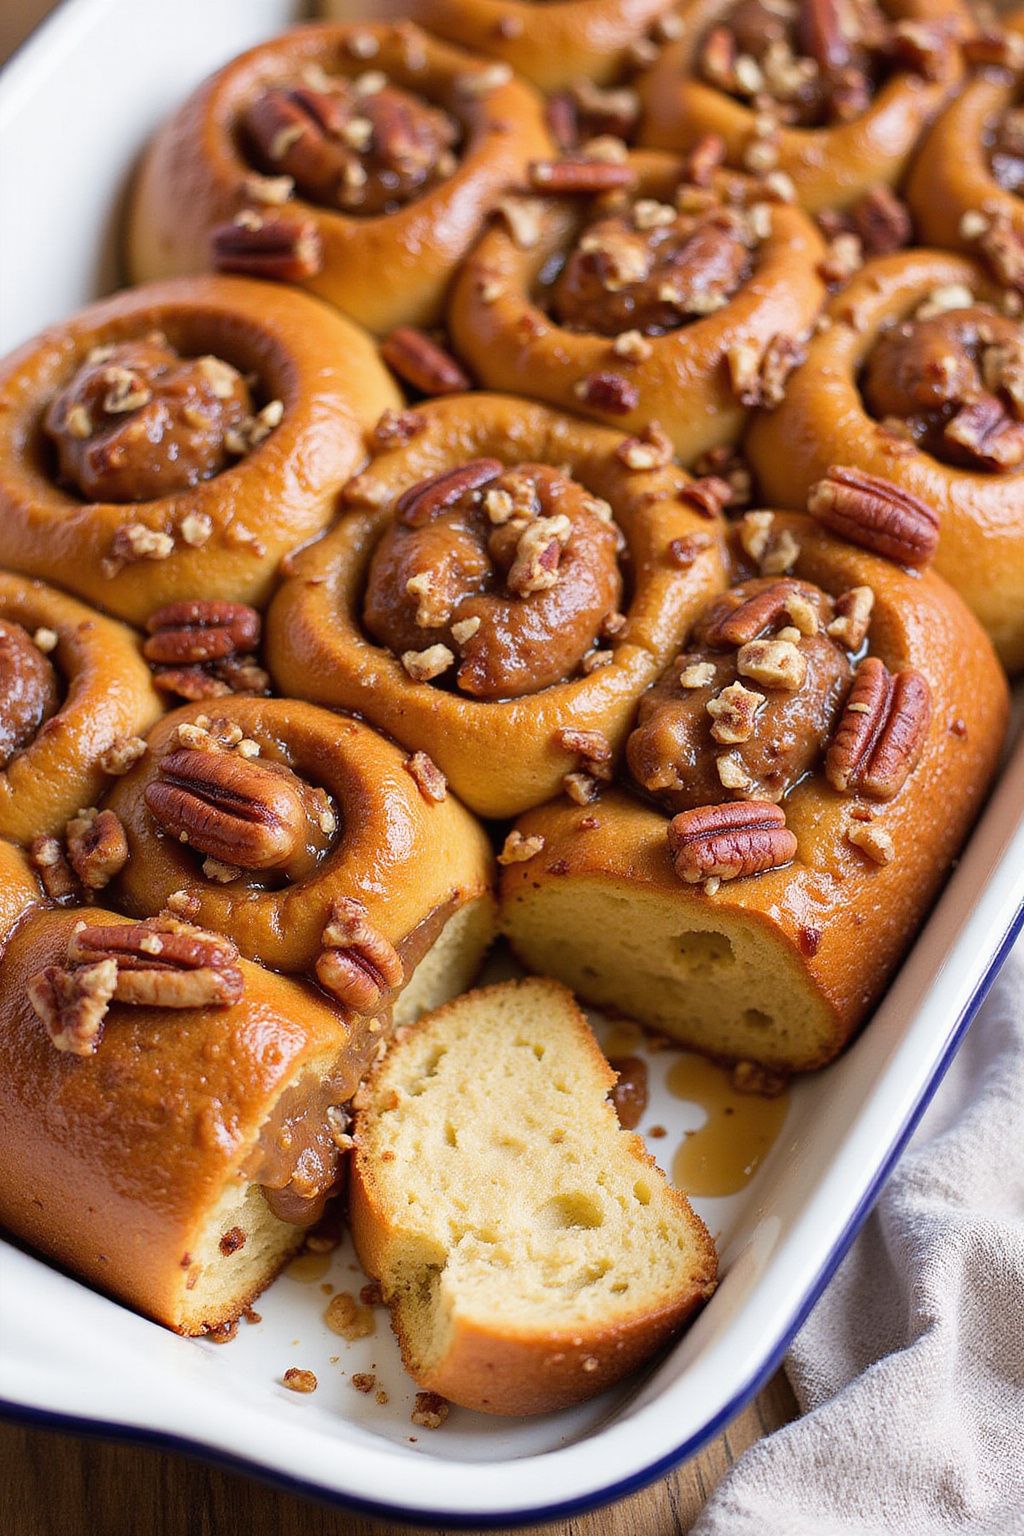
(910, 1370)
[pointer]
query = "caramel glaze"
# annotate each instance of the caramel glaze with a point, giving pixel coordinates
(627, 273)
(954, 383)
(739, 1129)
(465, 565)
(674, 755)
(29, 690)
(297, 1161)
(352, 144)
(815, 74)
(137, 421)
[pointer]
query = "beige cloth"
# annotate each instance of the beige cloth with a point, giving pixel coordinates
(910, 1370)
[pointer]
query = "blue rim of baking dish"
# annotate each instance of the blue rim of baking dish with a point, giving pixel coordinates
(612, 1492)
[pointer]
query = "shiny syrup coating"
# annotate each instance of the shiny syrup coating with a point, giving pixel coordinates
(460, 563)
(953, 382)
(361, 145)
(673, 754)
(137, 421)
(29, 690)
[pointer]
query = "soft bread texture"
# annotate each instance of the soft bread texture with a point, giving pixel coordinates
(781, 968)
(130, 1166)
(529, 1248)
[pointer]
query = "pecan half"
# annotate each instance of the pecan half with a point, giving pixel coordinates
(72, 1005)
(162, 963)
(730, 841)
(881, 732)
(876, 514)
(283, 248)
(200, 630)
(424, 500)
(97, 847)
(231, 807)
(421, 362)
(753, 616)
(358, 965)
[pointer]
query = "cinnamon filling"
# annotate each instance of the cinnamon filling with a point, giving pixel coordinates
(30, 690)
(363, 145)
(653, 267)
(495, 581)
(138, 421)
(951, 380)
(750, 706)
(810, 63)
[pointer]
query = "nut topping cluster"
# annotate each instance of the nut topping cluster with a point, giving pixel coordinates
(811, 63)
(951, 380)
(496, 580)
(159, 963)
(138, 421)
(204, 649)
(29, 689)
(363, 145)
(358, 965)
(247, 814)
(748, 708)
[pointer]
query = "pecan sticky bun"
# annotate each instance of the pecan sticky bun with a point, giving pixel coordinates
(832, 94)
(148, 445)
(642, 289)
(966, 187)
(190, 1099)
(357, 161)
(918, 378)
(74, 693)
(778, 818)
(274, 823)
(554, 45)
(506, 584)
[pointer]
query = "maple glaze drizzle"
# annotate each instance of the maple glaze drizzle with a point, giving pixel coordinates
(722, 1154)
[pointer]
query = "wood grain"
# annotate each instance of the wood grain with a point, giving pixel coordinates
(60, 1485)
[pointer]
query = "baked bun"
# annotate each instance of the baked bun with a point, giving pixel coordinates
(139, 461)
(166, 1148)
(791, 90)
(672, 302)
(471, 602)
(530, 1258)
(314, 844)
(19, 889)
(966, 186)
(822, 748)
(357, 161)
(553, 45)
(73, 691)
(917, 379)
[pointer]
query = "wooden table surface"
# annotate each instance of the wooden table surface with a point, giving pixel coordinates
(60, 1485)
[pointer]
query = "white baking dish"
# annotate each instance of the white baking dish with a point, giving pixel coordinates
(76, 105)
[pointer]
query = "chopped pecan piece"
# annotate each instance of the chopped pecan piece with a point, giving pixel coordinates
(424, 500)
(358, 965)
(72, 1004)
(519, 849)
(97, 847)
(608, 392)
(423, 363)
(47, 857)
(876, 514)
(881, 732)
(582, 177)
(427, 776)
(730, 841)
(280, 247)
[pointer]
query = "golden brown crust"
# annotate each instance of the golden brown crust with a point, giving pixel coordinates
(823, 421)
(386, 270)
(404, 856)
(497, 1369)
(831, 167)
(683, 381)
(553, 45)
(504, 755)
(106, 693)
(833, 905)
(113, 1164)
(19, 889)
(951, 175)
(224, 536)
